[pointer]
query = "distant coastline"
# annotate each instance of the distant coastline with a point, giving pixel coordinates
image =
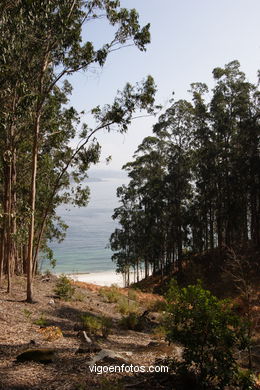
(94, 180)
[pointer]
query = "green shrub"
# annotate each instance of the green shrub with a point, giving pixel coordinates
(95, 326)
(125, 306)
(91, 324)
(245, 380)
(79, 296)
(42, 321)
(132, 295)
(130, 321)
(106, 325)
(209, 332)
(64, 289)
(111, 294)
(133, 321)
(158, 306)
(159, 332)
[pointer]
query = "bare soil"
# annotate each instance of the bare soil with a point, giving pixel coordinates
(70, 370)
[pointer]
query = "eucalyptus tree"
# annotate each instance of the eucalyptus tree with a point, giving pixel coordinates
(43, 43)
(140, 211)
(203, 153)
(196, 181)
(176, 126)
(235, 136)
(147, 172)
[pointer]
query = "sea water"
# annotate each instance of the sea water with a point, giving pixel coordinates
(84, 250)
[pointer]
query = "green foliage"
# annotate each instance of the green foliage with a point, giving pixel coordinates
(125, 306)
(132, 321)
(160, 332)
(64, 289)
(132, 294)
(194, 183)
(246, 380)
(46, 46)
(79, 296)
(158, 306)
(42, 321)
(106, 325)
(111, 294)
(209, 332)
(96, 326)
(91, 324)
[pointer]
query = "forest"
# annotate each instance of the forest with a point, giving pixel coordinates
(41, 45)
(195, 184)
(188, 221)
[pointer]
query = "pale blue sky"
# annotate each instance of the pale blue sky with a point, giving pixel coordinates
(189, 39)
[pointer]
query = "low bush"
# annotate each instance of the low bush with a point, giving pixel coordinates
(42, 321)
(96, 326)
(79, 296)
(64, 289)
(209, 332)
(130, 322)
(125, 306)
(111, 294)
(91, 324)
(106, 325)
(132, 295)
(159, 332)
(158, 306)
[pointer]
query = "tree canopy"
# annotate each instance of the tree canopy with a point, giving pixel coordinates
(42, 43)
(195, 184)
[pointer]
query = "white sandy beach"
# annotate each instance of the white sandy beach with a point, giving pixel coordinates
(105, 278)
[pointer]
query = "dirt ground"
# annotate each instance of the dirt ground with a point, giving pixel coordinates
(69, 370)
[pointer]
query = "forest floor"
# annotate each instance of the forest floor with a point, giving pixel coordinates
(20, 329)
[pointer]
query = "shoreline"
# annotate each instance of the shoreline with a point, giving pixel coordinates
(102, 278)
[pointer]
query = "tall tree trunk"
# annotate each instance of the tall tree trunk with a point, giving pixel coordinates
(211, 229)
(146, 272)
(8, 249)
(32, 204)
(15, 263)
(2, 249)
(179, 247)
(254, 217)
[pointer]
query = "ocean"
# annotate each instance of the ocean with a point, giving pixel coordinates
(84, 250)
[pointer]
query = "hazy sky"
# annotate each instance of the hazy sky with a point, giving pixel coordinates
(189, 39)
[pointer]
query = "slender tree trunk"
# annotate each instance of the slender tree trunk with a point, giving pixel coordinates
(206, 247)
(179, 247)
(137, 270)
(254, 216)
(32, 204)
(146, 272)
(211, 223)
(8, 248)
(15, 260)
(2, 249)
